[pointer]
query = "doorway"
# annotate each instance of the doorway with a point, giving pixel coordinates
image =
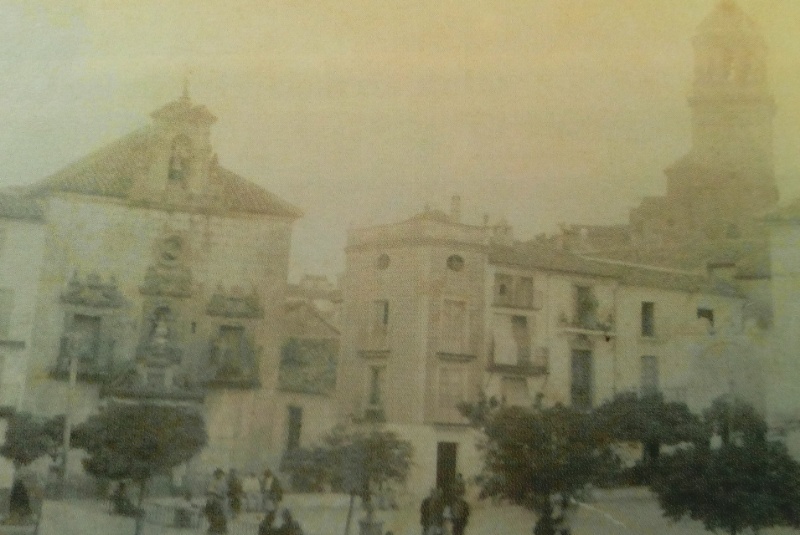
(446, 453)
(581, 391)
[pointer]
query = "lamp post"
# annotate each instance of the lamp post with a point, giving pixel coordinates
(73, 377)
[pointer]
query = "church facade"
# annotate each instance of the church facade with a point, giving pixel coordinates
(161, 277)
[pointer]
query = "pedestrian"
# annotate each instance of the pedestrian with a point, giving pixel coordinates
(431, 513)
(459, 486)
(252, 492)
(289, 525)
(271, 491)
(19, 502)
(122, 502)
(215, 503)
(459, 511)
(235, 493)
(266, 526)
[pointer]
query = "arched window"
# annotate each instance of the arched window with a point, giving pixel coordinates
(180, 159)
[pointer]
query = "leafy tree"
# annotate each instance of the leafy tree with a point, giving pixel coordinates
(30, 437)
(648, 420)
(136, 442)
(749, 482)
(734, 419)
(358, 462)
(535, 455)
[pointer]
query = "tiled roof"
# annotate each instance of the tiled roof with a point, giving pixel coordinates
(545, 258)
(20, 207)
(430, 215)
(111, 171)
(751, 257)
(107, 172)
(548, 258)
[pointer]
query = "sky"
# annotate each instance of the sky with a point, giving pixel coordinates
(362, 112)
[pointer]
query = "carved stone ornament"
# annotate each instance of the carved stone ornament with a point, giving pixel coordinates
(159, 347)
(92, 292)
(169, 275)
(235, 305)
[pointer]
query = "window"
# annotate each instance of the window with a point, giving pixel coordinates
(228, 351)
(648, 318)
(515, 391)
(706, 313)
(585, 307)
(454, 326)
(294, 426)
(522, 338)
(84, 337)
(383, 261)
(649, 374)
(451, 388)
(523, 293)
(375, 398)
(380, 320)
(503, 288)
(6, 309)
(581, 388)
(455, 262)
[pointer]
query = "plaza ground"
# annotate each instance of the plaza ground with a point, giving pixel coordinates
(619, 512)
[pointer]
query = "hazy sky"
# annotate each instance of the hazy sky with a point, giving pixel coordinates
(362, 111)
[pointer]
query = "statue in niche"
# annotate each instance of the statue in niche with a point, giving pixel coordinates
(179, 159)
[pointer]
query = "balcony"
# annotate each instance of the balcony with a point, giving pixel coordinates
(522, 369)
(587, 326)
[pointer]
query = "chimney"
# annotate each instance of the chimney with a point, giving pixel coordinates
(455, 209)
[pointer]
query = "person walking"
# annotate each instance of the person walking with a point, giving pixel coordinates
(459, 511)
(215, 504)
(252, 492)
(235, 493)
(431, 513)
(271, 491)
(289, 525)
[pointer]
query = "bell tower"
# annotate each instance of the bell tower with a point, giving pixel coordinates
(181, 157)
(727, 180)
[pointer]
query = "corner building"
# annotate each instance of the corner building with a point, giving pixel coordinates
(436, 311)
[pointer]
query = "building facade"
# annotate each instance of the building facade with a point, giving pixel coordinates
(160, 275)
(437, 312)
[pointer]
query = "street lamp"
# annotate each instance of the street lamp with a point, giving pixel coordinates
(72, 341)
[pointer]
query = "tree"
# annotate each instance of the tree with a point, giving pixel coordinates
(749, 482)
(534, 455)
(136, 442)
(650, 421)
(30, 437)
(358, 462)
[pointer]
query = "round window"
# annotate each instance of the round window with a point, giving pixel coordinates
(455, 262)
(383, 261)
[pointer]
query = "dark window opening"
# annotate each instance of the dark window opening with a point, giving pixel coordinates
(294, 426)
(648, 318)
(585, 307)
(649, 374)
(581, 388)
(522, 338)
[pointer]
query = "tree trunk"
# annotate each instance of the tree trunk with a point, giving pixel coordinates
(140, 509)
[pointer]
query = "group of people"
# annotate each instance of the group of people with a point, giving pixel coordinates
(229, 495)
(440, 508)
